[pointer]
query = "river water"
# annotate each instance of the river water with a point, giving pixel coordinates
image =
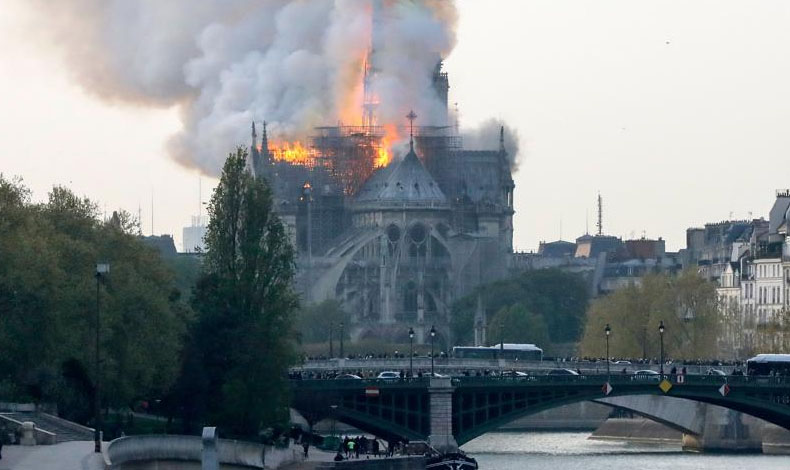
(573, 451)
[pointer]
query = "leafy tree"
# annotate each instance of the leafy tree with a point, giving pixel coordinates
(240, 345)
(48, 302)
(314, 321)
(518, 325)
(559, 298)
(687, 304)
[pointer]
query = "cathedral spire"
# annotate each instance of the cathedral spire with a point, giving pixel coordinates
(502, 139)
(254, 136)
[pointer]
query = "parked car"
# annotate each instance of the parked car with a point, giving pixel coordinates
(389, 375)
(348, 376)
(716, 372)
(435, 374)
(625, 363)
(647, 374)
(514, 373)
(562, 372)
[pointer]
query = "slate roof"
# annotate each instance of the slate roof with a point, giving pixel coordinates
(406, 182)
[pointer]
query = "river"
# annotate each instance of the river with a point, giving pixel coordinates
(573, 451)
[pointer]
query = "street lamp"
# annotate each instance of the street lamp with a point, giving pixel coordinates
(331, 345)
(101, 269)
(661, 334)
(411, 352)
(342, 327)
(433, 335)
(608, 331)
(501, 340)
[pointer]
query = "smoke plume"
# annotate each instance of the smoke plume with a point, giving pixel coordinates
(296, 64)
(486, 137)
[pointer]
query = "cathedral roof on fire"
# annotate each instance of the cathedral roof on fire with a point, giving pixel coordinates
(404, 182)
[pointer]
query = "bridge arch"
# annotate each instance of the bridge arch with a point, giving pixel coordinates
(401, 409)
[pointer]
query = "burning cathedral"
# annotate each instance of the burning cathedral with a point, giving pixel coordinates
(393, 220)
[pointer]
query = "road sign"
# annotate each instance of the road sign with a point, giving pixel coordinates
(607, 388)
(680, 379)
(665, 385)
(724, 390)
(371, 391)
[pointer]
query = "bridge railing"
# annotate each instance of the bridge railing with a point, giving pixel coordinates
(450, 364)
(751, 381)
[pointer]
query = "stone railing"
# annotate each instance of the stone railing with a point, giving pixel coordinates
(38, 436)
(159, 448)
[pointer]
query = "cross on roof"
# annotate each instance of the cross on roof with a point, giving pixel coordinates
(411, 117)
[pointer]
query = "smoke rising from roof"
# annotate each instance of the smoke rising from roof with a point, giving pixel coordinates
(296, 64)
(486, 137)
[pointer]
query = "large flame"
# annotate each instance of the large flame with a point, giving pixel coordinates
(384, 155)
(292, 152)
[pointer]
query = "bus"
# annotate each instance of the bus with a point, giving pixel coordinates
(768, 364)
(521, 352)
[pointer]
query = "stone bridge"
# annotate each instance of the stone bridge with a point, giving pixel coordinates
(452, 411)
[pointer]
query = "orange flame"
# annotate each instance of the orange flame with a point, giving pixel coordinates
(384, 155)
(292, 152)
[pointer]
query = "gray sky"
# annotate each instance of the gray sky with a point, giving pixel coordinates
(677, 111)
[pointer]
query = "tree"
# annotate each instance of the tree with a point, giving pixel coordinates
(518, 325)
(559, 298)
(48, 302)
(314, 321)
(240, 346)
(687, 304)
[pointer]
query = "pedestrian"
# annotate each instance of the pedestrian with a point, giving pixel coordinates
(376, 447)
(306, 447)
(351, 446)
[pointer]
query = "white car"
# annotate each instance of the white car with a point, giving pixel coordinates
(646, 374)
(562, 372)
(435, 374)
(389, 375)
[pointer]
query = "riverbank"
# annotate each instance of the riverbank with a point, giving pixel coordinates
(640, 430)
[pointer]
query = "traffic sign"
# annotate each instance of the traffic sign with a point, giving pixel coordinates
(665, 385)
(724, 390)
(607, 388)
(371, 391)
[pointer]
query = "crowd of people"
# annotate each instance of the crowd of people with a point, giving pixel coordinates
(353, 447)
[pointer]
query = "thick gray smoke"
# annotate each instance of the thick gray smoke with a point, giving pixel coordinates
(296, 64)
(486, 137)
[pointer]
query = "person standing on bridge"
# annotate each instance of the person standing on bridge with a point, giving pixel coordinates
(305, 446)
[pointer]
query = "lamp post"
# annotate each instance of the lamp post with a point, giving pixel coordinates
(433, 335)
(501, 340)
(342, 330)
(661, 334)
(331, 346)
(608, 331)
(101, 269)
(411, 352)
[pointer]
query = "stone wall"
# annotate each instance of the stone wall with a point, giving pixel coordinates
(163, 452)
(395, 463)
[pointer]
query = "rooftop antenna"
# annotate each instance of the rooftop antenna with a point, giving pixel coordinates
(457, 119)
(600, 215)
(411, 117)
